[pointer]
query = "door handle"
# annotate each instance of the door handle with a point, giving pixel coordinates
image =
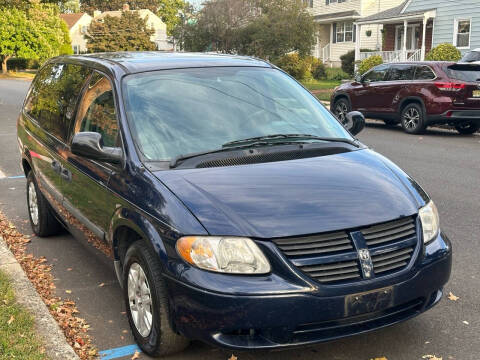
(56, 166)
(66, 174)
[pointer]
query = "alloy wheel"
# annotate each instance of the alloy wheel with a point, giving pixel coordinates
(33, 203)
(140, 300)
(411, 118)
(341, 110)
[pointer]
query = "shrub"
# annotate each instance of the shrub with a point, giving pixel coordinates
(336, 74)
(319, 72)
(22, 64)
(301, 68)
(348, 61)
(444, 52)
(369, 63)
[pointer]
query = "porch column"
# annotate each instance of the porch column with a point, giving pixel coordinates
(357, 44)
(404, 49)
(425, 19)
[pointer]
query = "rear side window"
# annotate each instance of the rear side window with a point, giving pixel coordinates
(376, 74)
(97, 111)
(464, 72)
(424, 73)
(54, 95)
(401, 72)
(471, 56)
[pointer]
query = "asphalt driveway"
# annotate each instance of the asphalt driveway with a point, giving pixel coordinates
(446, 164)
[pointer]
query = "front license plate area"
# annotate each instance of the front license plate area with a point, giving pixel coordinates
(476, 93)
(368, 302)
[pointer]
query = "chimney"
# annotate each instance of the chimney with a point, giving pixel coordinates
(96, 13)
(126, 7)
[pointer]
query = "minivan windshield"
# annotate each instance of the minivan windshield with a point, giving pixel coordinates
(184, 111)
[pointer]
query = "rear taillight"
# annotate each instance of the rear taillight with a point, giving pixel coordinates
(450, 86)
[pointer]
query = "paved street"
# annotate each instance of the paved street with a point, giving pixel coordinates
(446, 164)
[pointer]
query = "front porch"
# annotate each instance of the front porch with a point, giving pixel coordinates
(406, 36)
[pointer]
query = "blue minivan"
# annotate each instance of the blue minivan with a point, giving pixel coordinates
(236, 208)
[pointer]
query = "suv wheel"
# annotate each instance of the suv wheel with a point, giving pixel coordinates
(146, 299)
(341, 109)
(41, 216)
(467, 128)
(413, 119)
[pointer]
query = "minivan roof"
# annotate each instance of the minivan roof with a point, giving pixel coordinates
(141, 61)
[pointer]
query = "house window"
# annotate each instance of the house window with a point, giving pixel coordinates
(462, 33)
(76, 49)
(308, 3)
(328, 2)
(84, 29)
(343, 32)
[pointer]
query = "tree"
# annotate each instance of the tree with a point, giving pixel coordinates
(90, 6)
(26, 4)
(168, 11)
(125, 33)
(70, 7)
(37, 33)
(262, 28)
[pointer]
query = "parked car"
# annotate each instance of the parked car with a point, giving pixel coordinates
(238, 210)
(416, 95)
(471, 57)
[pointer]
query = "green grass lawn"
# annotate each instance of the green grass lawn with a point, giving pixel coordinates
(27, 75)
(17, 336)
(322, 89)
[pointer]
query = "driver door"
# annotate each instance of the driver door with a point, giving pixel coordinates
(87, 196)
(368, 95)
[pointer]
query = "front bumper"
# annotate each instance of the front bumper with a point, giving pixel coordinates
(288, 319)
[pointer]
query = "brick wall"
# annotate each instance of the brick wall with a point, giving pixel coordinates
(389, 36)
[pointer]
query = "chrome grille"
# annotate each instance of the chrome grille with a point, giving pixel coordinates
(392, 260)
(334, 272)
(391, 245)
(322, 244)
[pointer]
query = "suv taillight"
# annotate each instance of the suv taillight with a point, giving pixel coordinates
(449, 86)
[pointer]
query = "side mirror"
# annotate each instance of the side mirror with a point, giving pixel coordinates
(358, 78)
(90, 145)
(354, 122)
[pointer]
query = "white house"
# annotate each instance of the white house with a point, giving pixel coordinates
(337, 33)
(77, 24)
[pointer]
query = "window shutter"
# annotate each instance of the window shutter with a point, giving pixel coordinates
(334, 40)
(354, 32)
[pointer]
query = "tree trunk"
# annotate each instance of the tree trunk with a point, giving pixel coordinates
(4, 63)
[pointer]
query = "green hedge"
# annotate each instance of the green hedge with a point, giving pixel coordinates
(301, 68)
(22, 64)
(369, 63)
(444, 52)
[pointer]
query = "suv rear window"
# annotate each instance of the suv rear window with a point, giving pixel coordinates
(424, 73)
(464, 72)
(53, 98)
(471, 56)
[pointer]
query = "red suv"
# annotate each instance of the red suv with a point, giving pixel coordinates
(415, 94)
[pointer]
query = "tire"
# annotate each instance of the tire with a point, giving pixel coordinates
(158, 339)
(413, 119)
(43, 221)
(468, 128)
(341, 108)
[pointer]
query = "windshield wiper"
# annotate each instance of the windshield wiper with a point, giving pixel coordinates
(272, 139)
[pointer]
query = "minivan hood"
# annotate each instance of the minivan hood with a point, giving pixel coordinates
(296, 197)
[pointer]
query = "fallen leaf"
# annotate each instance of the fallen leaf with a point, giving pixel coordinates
(136, 355)
(101, 285)
(125, 331)
(431, 357)
(68, 291)
(452, 297)
(233, 357)
(69, 269)
(466, 322)
(10, 321)
(380, 358)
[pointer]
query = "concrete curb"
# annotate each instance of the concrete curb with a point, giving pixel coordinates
(53, 339)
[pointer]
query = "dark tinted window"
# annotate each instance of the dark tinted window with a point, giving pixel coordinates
(97, 111)
(376, 74)
(401, 72)
(466, 72)
(424, 73)
(54, 96)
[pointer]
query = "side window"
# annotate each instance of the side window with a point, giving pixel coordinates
(97, 111)
(376, 74)
(401, 72)
(424, 73)
(54, 95)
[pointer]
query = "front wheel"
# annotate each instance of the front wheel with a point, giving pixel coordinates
(147, 303)
(413, 119)
(467, 128)
(341, 108)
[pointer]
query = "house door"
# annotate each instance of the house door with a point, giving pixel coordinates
(413, 37)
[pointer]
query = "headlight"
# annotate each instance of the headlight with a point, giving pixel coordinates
(232, 255)
(430, 221)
